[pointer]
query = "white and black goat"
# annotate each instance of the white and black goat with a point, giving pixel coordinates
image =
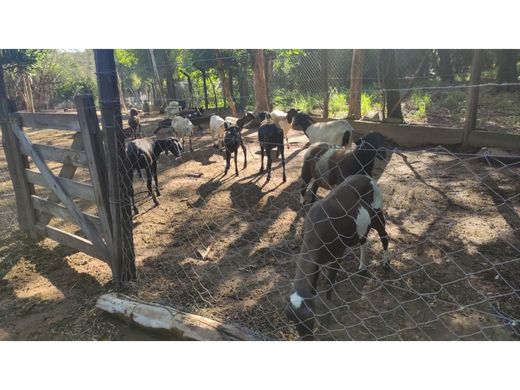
(340, 221)
(182, 127)
(337, 133)
(135, 123)
(326, 166)
(143, 153)
(216, 130)
(271, 136)
(232, 140)
(242, 121)
(283, 121)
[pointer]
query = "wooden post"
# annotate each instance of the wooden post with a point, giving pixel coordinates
(473, 92)
(16, 163)
(98, 168)
(356, 84)
(325, 81)
(118, 168)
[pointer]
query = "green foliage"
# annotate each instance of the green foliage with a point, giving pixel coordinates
(21, 59)
(337, 103)
(420, 102)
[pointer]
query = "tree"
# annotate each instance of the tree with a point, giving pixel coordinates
(445, 64)
(259, 82)
(356, 82)
(225, 82)
(391, 85)
(506, 67)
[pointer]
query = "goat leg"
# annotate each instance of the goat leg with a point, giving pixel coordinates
(262, 159)
(236, 167)
(281, 149)
(228, 158)
(245, 153)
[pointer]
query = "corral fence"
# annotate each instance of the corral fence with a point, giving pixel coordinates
(453, 223)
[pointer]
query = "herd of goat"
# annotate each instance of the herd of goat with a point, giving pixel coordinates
(336, 223)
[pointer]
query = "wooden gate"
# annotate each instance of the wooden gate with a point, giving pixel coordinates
(29, 169)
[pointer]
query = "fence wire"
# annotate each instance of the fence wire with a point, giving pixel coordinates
(227, 247)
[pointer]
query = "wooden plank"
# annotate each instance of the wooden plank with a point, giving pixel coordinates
(40, 120)
(17, 164)
(58, 154)
(96, 161)
(67, 171)
(74, 189)
(118, 166)
(65, 238)
(86, 226)
(57, 210)
(171, 320)
(480, 138)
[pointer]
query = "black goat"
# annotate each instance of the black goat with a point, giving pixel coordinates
(232, 140)
(340, 221)
(135, 124)
(245, 119)
(328, 166)
(143, 153)
(271, 136)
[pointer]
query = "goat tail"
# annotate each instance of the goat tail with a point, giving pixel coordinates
(345, 142)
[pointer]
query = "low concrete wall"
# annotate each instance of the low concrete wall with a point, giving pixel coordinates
(412, 136)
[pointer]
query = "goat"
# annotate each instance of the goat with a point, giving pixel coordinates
(337, 133)
(242, 121)
(135, 123)
(193, 113)
(232, 139)
(143, 153)
(280, 119)
(217, 129)
(340, 221)
(183, 127)
(327, 166)
(271, 136)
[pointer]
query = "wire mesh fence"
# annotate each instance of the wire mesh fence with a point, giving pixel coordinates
(228, 247)
(8, 217)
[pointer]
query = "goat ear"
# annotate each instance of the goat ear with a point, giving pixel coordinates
(225, 125)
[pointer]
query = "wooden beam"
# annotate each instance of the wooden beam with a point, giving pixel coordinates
(71, 240)
(473, 93)
(73, 188)
(86, 226)
(58, 154)
(67, 171)
(17, 163)
(57, 210)
(170, 320)
(39, 120)
(92, 139)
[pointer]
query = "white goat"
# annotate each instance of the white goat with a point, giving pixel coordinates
(279, 118)
(337, 133)
(217, 129)
(183, 127)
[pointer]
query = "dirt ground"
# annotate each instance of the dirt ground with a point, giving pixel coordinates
(453, 221)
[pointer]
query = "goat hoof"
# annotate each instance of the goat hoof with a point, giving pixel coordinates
(284, 179)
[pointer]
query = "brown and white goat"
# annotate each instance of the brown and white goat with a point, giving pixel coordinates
(135, 124)
(338, 222)
(326, 166)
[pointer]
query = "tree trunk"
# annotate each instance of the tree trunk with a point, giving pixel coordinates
(214, 94)
(391, 86)
(170, 89)
(160, 90)
(225, 85)
(242, 86)
(269, 64)
(230, 77)
(356, 84)
(190, 85)
(259, 82)
(3, 88)
(445, 65)
(325, 81)
(506, 68)
(471, 116)
(27, 92)
(121, 96)
(205, 87)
